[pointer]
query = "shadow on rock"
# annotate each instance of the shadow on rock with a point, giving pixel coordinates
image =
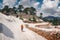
(6, 31)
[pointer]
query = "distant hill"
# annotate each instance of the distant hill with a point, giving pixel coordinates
(50, 18)
(58, 18)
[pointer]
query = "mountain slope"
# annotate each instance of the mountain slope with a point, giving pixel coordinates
(11, 29)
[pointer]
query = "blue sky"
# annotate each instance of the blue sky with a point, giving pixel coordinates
(59, 4)
(1, 1)
(49, 7)
(41, 2)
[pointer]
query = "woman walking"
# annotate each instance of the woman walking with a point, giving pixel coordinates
(22, 28)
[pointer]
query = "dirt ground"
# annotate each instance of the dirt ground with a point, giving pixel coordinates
(45, 34)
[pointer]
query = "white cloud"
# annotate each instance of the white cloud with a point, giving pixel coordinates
(50, 7)
(10, 3)
(36, 4)
(29, 3)
(50, 4)
(59, 7)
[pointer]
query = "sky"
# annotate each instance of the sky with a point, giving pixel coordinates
(47, 7)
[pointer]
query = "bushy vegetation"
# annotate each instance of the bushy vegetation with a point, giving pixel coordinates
(41, 15)
(32, 19)
(54, 21)
(15, 10)
(29, 10)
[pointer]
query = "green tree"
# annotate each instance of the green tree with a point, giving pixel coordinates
(32, 11)
(41, 15)
(27, 10)
(20, 7)
(0, 10)
(14, 10)
(55, 21)
(5, 9)
(34, 19)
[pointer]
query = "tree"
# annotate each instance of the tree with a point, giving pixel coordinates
(55, 21)
(14, 10)
(34, 19)
(10, 9)
(20, 7)
(5, 9)
(41, 15)
(27, 10)
(32, 11)
(0, 10)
